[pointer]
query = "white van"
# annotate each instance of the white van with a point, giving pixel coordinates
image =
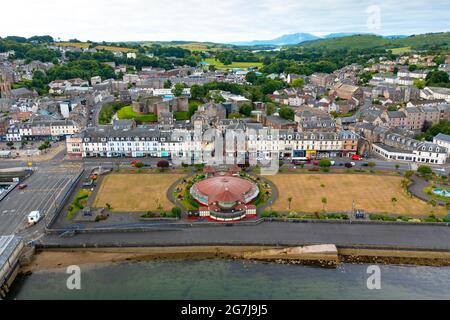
(34, 217)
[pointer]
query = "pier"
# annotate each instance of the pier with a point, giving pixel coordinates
(11, 250)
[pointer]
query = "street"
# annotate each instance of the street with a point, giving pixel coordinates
(44, 189)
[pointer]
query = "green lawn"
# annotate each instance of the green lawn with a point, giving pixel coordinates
(182, 115)
(78, 203)
(128, 113)
(401, 50)
(244, 65)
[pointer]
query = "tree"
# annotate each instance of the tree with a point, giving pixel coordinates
(270, 109)
(290, 202)
(163, 164)
(234, 115)
(176, 212)
(394, 201)
(324, 163)
(420, 84)
(44, 146)
(193, 107)
(287, 113)
(178, 90)
(397, 166)
(217, 98)
(409, 174)
(412, 67)
(371, 164)
(437, 77)
(424, 170)
(251, 77)
(167, 84)
(324, 202)
(298, 83)
(246, 110)
(139, 165)
(10, 144)
(404, 183)
(197, 92)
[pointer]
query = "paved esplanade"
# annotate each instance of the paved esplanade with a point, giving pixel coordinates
(415, 236)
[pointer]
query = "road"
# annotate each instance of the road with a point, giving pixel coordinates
(45, 188)
(411, 236)
(381, 164)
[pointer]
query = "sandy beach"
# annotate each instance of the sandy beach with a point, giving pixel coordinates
(56, 259)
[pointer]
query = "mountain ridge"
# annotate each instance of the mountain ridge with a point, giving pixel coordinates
(301, 37)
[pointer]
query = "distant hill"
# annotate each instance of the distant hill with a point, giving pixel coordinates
(367, 41)
(340, 35)
(287, 39)
(298, 38)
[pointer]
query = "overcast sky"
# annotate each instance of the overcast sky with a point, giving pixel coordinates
(217, 20)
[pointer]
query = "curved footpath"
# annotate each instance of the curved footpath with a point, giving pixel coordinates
(269, 233)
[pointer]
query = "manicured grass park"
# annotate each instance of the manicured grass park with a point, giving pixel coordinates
(128, 113)
(244, 65)
(372, 193)
(136, 192)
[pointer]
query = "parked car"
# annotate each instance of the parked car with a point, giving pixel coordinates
(316, 162)
(355, 157)
(353, 164)
(333, 163)
(22, 186)
(34, 217)
(349, 165)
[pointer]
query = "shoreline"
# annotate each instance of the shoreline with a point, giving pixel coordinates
(54, 259)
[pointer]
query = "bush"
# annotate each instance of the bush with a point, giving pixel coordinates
(424, 170)
(148, 215)
(100, 218)
(185, 165)
(409, 174)
(324, 163)
(379, 217)
(176, 212)
(138, 165)
(163, 164)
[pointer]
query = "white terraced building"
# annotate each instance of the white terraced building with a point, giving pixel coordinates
(150, 142)
(137, 142)
(399, 148)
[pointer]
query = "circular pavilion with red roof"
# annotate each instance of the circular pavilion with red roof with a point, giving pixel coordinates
(225, 192)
